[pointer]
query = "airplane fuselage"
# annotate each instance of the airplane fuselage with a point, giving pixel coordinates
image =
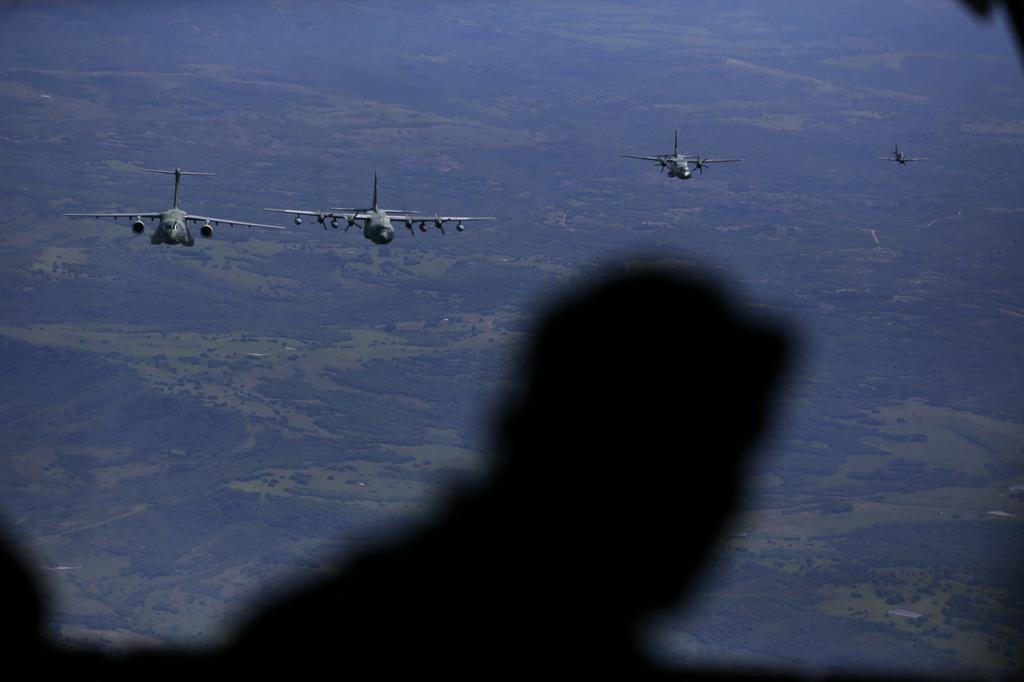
(378, 228)
(172, 229)
(679, 168)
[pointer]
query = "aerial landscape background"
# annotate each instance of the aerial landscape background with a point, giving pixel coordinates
(183, 430)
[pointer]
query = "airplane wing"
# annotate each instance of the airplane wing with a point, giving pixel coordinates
(344, 214)
(360, 212)
(917, 158)
(437, 218)
(643, 158)
(113, 215)
(290, 211)
(437, 221)
(225, 221)
(459, 218)
(720, 160)
(886, 158)
(389, 211)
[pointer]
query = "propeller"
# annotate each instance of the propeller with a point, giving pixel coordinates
(664, 162)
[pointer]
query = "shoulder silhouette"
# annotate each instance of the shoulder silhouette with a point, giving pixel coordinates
(616, 466)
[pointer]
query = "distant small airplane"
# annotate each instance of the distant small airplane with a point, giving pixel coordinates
(173, 225)
(678, 165)
(376, 220)
(900, 158)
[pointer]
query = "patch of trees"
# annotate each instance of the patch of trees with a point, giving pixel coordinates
(976, 551)
(907, 475)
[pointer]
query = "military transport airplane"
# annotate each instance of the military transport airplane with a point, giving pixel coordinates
(173, 225)
(899, 157)
(376, 220)
(679, 164)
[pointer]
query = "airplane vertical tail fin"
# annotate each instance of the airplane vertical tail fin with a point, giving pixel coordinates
(177, 173)
(376, 204)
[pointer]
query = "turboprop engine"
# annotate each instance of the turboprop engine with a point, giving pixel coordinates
(138, 227)
(206, 230)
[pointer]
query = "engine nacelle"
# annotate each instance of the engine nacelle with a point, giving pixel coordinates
(334, 223)
(460, 227)
(298, 220)
(351, 222)
(138, 227)
(206, 230)
(423, 227)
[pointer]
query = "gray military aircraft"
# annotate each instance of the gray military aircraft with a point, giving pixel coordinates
(376, 220)
(173, 225)
(678, 165)
(900, 158)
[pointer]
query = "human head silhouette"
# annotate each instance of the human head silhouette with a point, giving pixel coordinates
(643, 393)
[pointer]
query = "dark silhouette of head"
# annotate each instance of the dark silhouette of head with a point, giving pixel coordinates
(21, 628)
(644, 392)
(1014, 11)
